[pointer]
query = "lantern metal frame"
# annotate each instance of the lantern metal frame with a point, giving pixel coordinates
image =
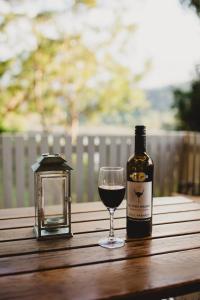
(52, 167)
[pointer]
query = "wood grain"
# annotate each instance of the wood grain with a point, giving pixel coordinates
(101, 225)
(90, 206)
(24, 246)
(101, 215)
(97, 254)
(141, 278)
(98, 225)
(156, 267)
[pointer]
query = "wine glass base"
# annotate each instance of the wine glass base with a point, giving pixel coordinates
(112, 243)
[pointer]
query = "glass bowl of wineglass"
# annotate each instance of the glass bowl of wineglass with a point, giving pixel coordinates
(111, 187)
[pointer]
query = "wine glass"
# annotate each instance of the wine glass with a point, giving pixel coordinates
(111, 186)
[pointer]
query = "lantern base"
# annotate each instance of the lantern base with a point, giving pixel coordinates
(59, 233)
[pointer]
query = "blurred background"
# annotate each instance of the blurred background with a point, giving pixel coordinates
(89, 66)
(92, 70)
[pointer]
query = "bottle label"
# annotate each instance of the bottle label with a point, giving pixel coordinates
(139, 199)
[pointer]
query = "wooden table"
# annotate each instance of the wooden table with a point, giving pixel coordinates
(165, 265)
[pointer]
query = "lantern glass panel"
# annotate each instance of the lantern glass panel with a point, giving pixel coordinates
(54, 187)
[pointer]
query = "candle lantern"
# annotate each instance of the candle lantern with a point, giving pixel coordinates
(52, 179)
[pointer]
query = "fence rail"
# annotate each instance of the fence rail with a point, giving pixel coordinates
(176, 157)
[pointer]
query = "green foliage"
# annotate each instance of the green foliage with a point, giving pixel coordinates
(89, 3)
(60, 80)
(3, 67)
(187, 105)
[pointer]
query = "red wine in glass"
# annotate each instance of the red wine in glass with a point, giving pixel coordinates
(111, 196)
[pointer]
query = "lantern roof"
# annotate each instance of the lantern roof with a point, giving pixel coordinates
(51, 162)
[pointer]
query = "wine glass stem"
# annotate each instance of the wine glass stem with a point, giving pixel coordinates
(111, 233)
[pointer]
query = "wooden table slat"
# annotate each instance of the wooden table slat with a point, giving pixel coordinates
(102, 224)
(97, 254)
(140, 278)
(20, 247)
(101, 215)
(163, 265)
(87, 207)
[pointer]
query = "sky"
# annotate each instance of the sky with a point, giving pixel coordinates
(169, 35)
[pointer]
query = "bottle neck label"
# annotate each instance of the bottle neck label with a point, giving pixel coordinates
(140, 144)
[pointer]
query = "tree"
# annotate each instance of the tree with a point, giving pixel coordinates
(192, 3)
(63, 80)
(187, 104)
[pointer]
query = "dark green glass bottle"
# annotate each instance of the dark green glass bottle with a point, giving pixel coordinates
(139, 188)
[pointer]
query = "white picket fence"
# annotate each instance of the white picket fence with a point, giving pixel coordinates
(86, 155)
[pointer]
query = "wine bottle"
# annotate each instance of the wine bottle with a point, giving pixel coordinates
(139, 188)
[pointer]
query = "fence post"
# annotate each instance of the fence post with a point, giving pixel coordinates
(7, 170)
(176, 157)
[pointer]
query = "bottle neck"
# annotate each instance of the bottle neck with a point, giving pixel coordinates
(140, 144)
